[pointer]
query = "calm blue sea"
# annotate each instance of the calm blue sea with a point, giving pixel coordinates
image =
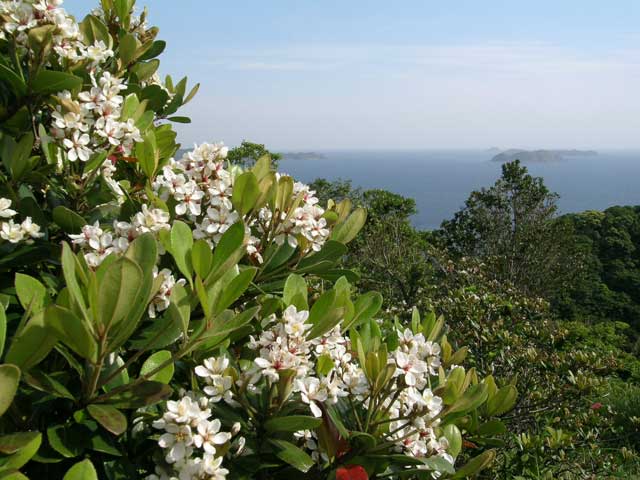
(440, 181)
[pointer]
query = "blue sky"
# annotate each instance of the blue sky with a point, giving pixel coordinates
(298, 74)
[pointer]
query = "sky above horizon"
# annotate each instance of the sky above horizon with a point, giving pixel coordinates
(303, 75)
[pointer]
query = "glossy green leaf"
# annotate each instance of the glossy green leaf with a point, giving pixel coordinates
(118, 291)
(454, 437)
(31, 293)
(234, 289)
(475, 465)
(292, 455)
(20, 447)
(295, 292)
(292, 423)
(141, 395)
(94, 30)
(503, 401)
(68, 220)
(9, 381)
(51, 81)
(228, 252)
(245, 192)
(128, 47)
(156, 360)
(347, 231)
(3, 329)
(181, 243)
(73, 331)
(83, 470)
(47, 383)
(109, 417)
(201, 258)
(365, 307)
(32, 344)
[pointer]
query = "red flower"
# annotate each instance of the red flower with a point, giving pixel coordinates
(596, 406)
(351, 472)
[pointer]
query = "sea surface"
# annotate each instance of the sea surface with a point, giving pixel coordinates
(440, 181)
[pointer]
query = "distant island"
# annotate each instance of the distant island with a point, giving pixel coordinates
(302, 155)
(540, 156)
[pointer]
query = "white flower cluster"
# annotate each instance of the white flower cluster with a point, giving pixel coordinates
(91, 123)
(202, 188)
(193, 445)
(99, 243)
(416, 407)
(20, 16)
(16, 232)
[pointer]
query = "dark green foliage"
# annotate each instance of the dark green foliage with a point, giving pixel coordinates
(610, 288)
(511, 226)
(248, 153)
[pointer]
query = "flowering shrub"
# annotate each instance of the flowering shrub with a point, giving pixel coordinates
(187, 318)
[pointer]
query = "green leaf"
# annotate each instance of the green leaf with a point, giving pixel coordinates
(72, 331)
(31, 293)
(21, 447)
(453, 435)
(292, 455)
(475, 465)
(15, 81)
(492, 428)
(144, 252)
(292, 423)
(141, 395)
(366, 306)
(179, 119)
(295, 292)
(9, 381)
(12, 475)
(68, 220)
(46, 383)
(156, 48)
(347, 231)
(245, 192)
(50, 81)
(69, 266)
(331, 251)
(128, 47)
(83, 470)
(147, 154)
(109, 417)
(234, 289)
(181, 243)
(118, 291)
(3, 329)
(145, 70)
(32, 344)
(153, 362)
(201, 258)
(324, 314)
(94, 30)
(191, 94)
(503, 401)
(228, 252)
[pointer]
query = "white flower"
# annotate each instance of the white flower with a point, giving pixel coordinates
(177, 440)
(312, 393)
(5, 211)
(209, 435)
(31, 229)
(77, 147)
(11, 232)
(212, 467)
(411, 367)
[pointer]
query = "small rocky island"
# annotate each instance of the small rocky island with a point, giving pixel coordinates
(303, 155)
(540, 156)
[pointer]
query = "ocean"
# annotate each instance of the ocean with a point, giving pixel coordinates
(440, 181)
